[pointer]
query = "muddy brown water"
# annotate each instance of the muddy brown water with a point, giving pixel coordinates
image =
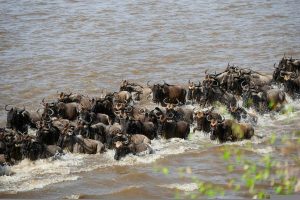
(50, 46)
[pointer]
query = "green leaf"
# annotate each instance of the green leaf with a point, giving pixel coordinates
(237, 187)
(230, 168)
(273, 138)
(211, 193)
(266, 174)
(261, 195)
(193, 196)
(278, 190)
(165, 171)
(253, 168)
(226, 155)
(259, 176)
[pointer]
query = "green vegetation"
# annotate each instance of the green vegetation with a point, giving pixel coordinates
(259, 178)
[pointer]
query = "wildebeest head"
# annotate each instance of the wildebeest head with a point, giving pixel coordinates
(157, 92)
(155, 114)
(132, 126)
(288, 75)
(68, 98)
(121, 150)
(86, 117)
(126, 86)
(104, 105)
(276, 74)
(17, 119)
(209, 84)
(252, 97)
(121, 144)
(123, 85)
(283, 63)
(47, 133)
(66, 138)
(217, 129)
(191, 91)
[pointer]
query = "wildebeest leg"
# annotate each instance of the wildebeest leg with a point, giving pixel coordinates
(197, 129)
(100, 147)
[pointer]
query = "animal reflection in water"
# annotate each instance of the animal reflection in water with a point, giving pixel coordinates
(119, 121)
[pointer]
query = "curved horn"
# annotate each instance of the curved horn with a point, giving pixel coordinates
(293, 75)
(222, 120)
(165, 101)
(148, 84)
(157, 115)
(23, 109)
(43, 101)
(178, 102)
(117, 113)
(6, 108)
(142, 111)
(49, 120)
(217, 83)
(237, 70)
(208, 118)
(51, 112)
(275, 65)
(90, 121)
(244, 84)
(118, 106)
(170, 115)
(126, 141)
(129, 110)
(281, 74)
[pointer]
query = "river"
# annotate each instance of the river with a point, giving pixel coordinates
(90, 46)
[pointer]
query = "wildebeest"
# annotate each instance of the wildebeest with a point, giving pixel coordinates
(291, 83)
(229, 130)
(112, 131)
(174, 129)
(18, 119)
(123, 96)
(174, 93)
(132, 126)
(194, 92)
(131, 144)
(92, 118)
(239, 113)
(212, 92)
(289, 64)
(79, 144)
(35, 150)
(47, 133)
(203, 118)
(179, 113)
(264, 100)
(67, 110)
(105, 106)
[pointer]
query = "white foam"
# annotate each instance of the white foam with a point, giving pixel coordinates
(28, 175)
(265, 150)
(73, 196)
(187, 187)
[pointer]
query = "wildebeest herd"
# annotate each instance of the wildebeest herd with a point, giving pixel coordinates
(126, 121)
